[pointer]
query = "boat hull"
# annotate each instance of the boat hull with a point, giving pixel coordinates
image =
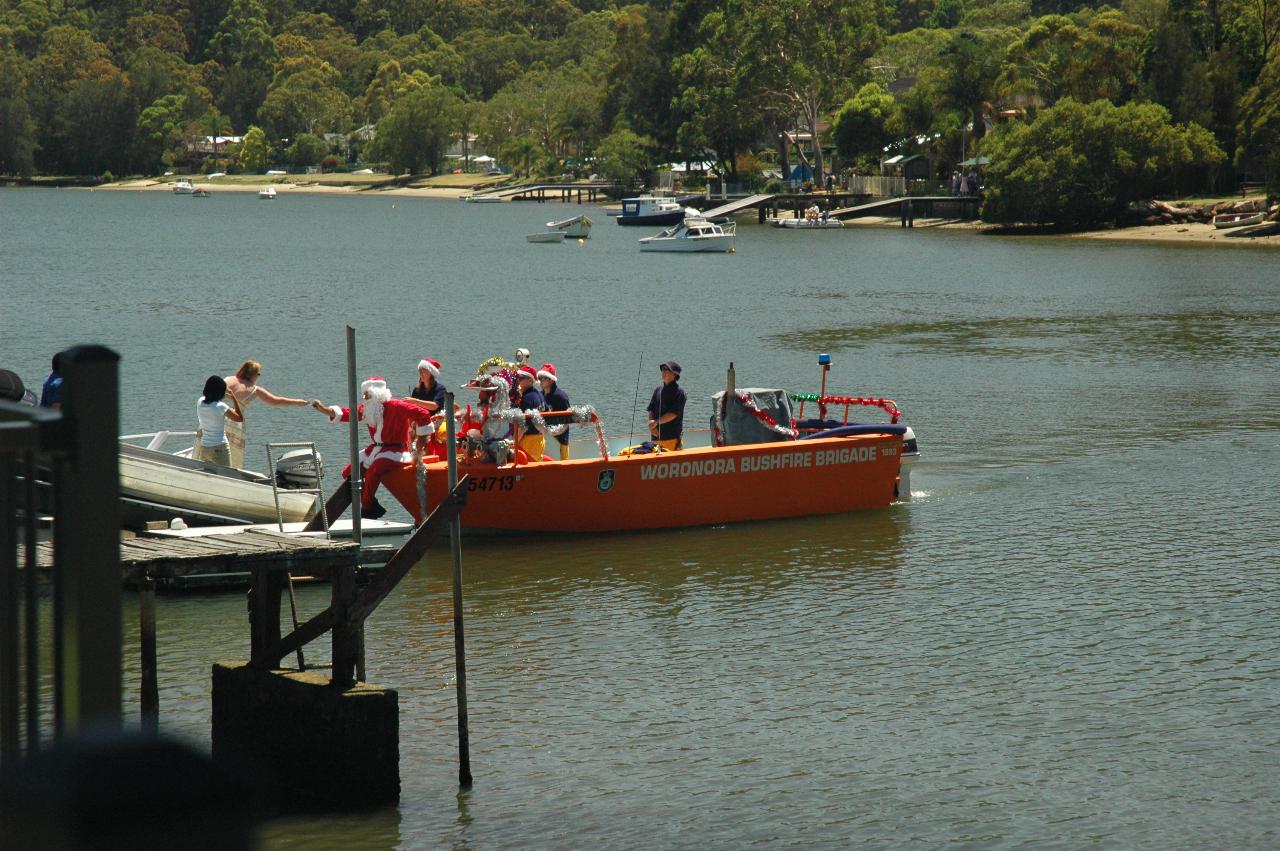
(693, 243)
(177, 484)
(1236, 220)
(654, 219)
(694, 487)
(808, 224)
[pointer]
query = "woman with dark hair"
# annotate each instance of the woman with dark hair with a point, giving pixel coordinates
(212, 413)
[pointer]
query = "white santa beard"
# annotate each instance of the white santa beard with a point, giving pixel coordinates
(373, 412)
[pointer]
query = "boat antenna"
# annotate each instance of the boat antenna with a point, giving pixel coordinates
(636, 403)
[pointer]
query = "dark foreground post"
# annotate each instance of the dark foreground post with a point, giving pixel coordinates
(459, 641)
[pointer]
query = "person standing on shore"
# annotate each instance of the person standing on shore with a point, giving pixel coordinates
(557, 400)
(666, 409)
(212, 413)
(243, 388)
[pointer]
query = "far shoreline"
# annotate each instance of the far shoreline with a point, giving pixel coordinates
(1266, 234)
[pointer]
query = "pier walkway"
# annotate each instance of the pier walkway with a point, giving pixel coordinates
(566, 191)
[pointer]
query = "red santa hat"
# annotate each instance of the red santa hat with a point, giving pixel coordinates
(526, 371)
(431, 366)
(374, 383)
(547, 371)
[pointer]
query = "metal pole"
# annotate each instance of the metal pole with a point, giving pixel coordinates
(32, 619)
(459, 642)
(147, 650)
(88, 540)
(9, 752)
(353, 435)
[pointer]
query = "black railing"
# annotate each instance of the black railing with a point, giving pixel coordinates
(66, 462)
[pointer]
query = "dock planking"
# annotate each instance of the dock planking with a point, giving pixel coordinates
(227, 559)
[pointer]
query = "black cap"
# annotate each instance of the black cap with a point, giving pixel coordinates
(670, 366)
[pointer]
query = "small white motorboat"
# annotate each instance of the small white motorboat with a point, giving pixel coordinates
(546, 236)
(182, 186)
(267, 193)
(481, 199)
(579, 227)
(1236, 220)
(692, 234)
(650, 210)
(809, 223)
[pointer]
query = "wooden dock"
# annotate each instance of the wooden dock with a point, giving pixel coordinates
(227, 560)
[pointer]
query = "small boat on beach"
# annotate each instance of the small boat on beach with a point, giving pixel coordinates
(481, 199)
(546, 236)
(578, 227)
(267, 193)
(182, 186)
(766, 462)
(692, 235)
(1236, 220)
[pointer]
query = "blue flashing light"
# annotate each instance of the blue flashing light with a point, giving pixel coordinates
(824, 359)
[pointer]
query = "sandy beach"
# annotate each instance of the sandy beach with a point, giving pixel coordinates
(1192, 233)
(295, 184)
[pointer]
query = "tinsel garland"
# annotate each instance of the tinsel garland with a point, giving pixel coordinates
(889, 406)
(789, 433)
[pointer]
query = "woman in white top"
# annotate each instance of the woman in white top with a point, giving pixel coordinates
(212, 412)
(243, 387)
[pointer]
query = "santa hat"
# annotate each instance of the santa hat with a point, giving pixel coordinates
(431, 366)
(548, 371)
(526, 371)
(374, 383)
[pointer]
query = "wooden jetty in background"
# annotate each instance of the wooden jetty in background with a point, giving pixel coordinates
(846, 205)
(566, 193)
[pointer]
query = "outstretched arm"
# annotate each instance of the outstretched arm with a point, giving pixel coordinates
(280, 401)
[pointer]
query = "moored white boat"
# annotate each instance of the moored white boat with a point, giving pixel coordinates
(808, 224)
(158, 485)
(546, 236)
(578, 227)
(182, 186)
(692, 235)
(650, 210)
(267, 193)
(481, 199)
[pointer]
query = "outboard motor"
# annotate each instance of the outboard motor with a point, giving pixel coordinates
(910, 454)
(299, 468)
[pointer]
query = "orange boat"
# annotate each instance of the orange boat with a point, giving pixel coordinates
(757, 470)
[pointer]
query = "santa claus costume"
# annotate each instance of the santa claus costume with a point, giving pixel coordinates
(390, 423)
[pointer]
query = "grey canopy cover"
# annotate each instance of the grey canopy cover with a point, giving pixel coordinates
(742, 426)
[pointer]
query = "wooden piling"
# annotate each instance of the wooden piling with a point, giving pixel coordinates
(459, 642)
(150, 699)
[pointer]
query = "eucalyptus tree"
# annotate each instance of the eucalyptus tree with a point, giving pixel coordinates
(244, 48)
(17, 127)
(1259, 131)
(414, 134)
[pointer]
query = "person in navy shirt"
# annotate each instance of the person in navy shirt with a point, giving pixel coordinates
(557, 400)
(529, 439)
(51, 392)
(429, 390)
(666, 409)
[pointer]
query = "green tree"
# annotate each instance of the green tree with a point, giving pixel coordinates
(1083, 164)
(1056, 58)
(415, 133)
(1259, 132)
(522, 153)
(862, 126)
(17, 127)
(623, 156)
(162, 132)
(254, 152)
(244, 47)
(969, 68)
(307, 149)
(308, 101)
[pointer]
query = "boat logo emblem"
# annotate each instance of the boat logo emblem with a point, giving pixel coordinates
(605, 482)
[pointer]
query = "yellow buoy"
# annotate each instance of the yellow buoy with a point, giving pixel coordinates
(581, 241)
(732, 250)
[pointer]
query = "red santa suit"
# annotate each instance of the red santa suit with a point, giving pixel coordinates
(391, 423)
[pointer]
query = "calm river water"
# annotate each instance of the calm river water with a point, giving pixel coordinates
(1067, 637)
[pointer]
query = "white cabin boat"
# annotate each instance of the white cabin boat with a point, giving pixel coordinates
(267, 193)
(482, 199)
(692, 235)
(650, 210)
(546, 236)
(579, 227)
(182, 186)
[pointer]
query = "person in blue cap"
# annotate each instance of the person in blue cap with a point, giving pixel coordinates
(666, 409)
